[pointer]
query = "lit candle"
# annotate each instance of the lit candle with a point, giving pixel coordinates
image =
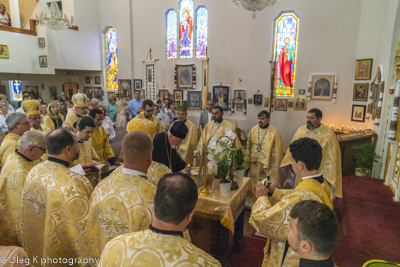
(309, 80)
(335, 78)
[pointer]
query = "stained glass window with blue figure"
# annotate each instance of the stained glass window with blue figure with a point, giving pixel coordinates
(186, 29)
(112, 59)
(201, 32)
(171, 18)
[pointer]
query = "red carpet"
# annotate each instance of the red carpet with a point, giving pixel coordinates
(370, 227)
(370, 222)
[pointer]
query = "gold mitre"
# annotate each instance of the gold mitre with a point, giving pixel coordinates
(138, 124)
(31, 107)
(80, 100)
(181, 106)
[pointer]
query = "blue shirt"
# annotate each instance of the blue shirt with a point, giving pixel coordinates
(133, 105)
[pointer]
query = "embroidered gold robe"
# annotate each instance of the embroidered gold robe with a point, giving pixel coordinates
(155, 120)
(189, 144)
(55, 209)
(12, 180)
(156, 171)
(120, 204)
(71, 118)
(42, 128)
(15, 257)
(217, 130)
(270, 155)
(87, 155)
(146, 248)
(331, 165)
(9, 145)
(101, 144)
(270, 217)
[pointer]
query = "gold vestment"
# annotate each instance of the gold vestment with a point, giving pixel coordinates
(147, 248)
(12, 180)
(264, 147)
(71, 118)
(9, 145)
(217, 130)
(101, 144)
(49, 122)
(42, 128)
(189, 144)
(156, 120)
(122, 203)
(331, 164)
(55, 209)
(270, 217)
(87, 155)
(156, 171)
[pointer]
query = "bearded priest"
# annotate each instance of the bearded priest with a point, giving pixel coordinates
(331, 165)
(75, 114)
(189, 144)
(147, 113)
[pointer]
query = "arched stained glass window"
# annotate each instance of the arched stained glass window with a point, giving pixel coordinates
(186, 29)
(171, 18)
(112, 59)
(286, 36)
(201, 31)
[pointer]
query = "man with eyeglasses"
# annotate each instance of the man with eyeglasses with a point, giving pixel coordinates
(147, 113)
(32, 109)
(31, 147)
(135, 103)
(17, 124)
(80, 110)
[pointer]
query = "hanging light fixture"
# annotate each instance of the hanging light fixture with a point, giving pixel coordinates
(253, 5)
(55, 21)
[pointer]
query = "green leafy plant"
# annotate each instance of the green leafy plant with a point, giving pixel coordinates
(219, 153)
(365, 156)
(238, 160)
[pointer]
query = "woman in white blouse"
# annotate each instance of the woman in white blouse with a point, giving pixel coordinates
(107, 123)
(3, 114)
(171, 115)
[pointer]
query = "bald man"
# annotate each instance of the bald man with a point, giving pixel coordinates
(126, 196)
(56, 203)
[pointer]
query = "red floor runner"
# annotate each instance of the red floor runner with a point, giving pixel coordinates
(370, 227)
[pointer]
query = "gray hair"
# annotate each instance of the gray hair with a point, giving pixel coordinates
(14, 118)
(31, 138)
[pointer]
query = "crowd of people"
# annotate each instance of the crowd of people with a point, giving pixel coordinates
(66, 199)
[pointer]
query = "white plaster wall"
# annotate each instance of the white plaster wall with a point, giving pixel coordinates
(242, 47)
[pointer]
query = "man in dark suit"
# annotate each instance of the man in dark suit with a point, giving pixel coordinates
(206, 115)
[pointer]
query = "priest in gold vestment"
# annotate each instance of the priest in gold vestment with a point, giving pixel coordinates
(74, 114)
(31, 147)
(123, 202)
(147, 113)
(331, 166)
(264, 151)
(17, 124)
(189, 144)
(138, 124)
(100, 141)
(32, 109)
(56, 203)
(163, 244)
(156, 171)
(217, 128)
(270, 213)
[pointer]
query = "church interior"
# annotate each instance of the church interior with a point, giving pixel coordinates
(285, 57)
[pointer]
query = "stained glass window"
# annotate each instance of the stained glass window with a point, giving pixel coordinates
(286, 36)
(201, 31)
(172, 33)
(16, 92)
(112, 59)
(186, 29)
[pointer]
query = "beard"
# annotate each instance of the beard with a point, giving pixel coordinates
(217, 120)
(310, 126)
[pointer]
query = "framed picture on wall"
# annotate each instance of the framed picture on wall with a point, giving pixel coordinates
(138, 84)
(33, 91)
(194, 99)
(163, 93)
(43, 61)
(88, 91)
(184, 76)
(302, 91)
(358, 113)
(300, 102)
(239, 96)
(4, 51)
(360, 92)
(250, 101)
(239, 107)
(290, 104)
(266, 102)
(97, 79)
(281, 104)
(221, 96)
(125, 88)
(258, 100)
(41, 42)
(322, 86)
(111, 95)
(363, 69)
(178, 95)
(87, 80)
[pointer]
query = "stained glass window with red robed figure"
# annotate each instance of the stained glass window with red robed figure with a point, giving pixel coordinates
(112, 59)
(186, 29)
(286, 36)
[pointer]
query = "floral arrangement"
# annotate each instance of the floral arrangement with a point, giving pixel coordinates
(219, 153)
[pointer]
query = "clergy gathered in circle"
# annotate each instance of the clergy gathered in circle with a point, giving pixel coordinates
(65, 194)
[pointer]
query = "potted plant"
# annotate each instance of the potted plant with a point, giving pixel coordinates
(365, 158)
(238, 163)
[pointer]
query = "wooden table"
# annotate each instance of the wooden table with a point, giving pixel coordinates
(217, 226)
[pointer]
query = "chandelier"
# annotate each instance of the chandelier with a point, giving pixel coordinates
(55, 21)
(254, 5)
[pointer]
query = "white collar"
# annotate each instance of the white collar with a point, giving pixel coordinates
(311, 177)
(133, 172)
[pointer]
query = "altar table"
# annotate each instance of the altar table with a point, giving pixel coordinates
(217, 226)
